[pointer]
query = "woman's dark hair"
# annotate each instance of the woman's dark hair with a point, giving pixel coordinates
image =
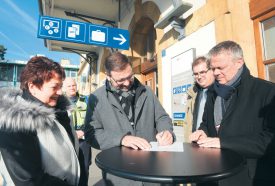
(116, 62)
(39, 70)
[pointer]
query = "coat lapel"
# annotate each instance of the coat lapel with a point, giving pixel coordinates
(139, 104)
(114, 102)
(232, 106)
(118, 108)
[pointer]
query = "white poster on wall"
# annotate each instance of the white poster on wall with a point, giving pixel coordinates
(182, 79)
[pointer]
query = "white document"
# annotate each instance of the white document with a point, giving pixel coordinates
(175, 147)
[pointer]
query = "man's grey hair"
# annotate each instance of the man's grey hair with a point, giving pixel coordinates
(227, 46)
(116, 62)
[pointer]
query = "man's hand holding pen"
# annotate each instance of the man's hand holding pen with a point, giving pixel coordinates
(164, 138)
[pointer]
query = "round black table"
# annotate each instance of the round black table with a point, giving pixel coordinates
(195, 164)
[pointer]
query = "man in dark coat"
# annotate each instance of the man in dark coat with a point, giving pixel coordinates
(239, 115)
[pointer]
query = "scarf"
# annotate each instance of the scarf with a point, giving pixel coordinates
(125, 98)
(223, 99)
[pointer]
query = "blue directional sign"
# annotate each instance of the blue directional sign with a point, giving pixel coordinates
(80, 32)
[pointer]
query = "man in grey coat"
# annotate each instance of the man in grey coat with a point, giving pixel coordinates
(124, 112)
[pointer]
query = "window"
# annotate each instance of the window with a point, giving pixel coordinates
(264, 28)
(268, 35)
(19, 70)
(268, 40)
(6, 72)
(83, 79)
(270, 68)
(67, 73)
(73, 74)
(267, 30)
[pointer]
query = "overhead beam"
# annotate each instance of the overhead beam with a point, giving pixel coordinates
(72, 14)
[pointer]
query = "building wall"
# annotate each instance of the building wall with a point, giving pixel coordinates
(231, 20)
(193, 41)
(102, 76)
(241, 26)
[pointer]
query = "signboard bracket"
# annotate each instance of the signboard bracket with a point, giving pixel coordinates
(82, 17)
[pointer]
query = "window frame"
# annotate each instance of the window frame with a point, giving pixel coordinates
(259, 44)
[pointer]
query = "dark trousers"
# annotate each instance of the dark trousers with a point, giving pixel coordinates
(85, 156)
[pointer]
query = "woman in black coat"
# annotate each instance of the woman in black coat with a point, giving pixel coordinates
(37, 142)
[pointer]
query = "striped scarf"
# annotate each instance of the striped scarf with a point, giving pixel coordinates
(126, 100)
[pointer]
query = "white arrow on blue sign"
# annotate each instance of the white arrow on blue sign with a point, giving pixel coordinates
(79, 32)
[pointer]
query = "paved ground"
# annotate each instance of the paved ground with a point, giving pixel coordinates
(95, 172)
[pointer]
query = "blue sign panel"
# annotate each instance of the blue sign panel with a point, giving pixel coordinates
(179, 115)
(181, 89)
(80, 32)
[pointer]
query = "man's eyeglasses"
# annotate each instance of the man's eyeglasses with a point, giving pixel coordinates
(201, 73)
(121, 81)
